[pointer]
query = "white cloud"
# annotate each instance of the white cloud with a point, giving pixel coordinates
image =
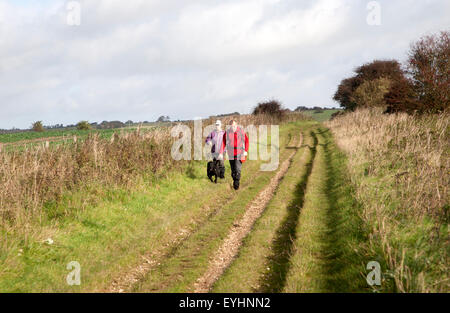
(140, 59)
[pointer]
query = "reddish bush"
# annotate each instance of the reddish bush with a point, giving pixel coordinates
(401, 97)
(429, 68)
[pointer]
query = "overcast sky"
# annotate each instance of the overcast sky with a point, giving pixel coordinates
(139, 59)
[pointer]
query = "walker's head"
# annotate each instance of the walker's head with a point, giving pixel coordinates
(233, 124)
(218, 125)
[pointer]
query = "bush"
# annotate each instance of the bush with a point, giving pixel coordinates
(429, 68)
(401, 97)
(273, 108)
(83, 125)
(37, 126)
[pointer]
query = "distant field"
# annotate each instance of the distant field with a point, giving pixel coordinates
(325, 115)
(31, 136)
(28, 139)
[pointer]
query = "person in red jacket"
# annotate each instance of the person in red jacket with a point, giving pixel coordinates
(236, 141)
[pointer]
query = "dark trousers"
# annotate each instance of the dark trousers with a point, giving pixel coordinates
(236, 165)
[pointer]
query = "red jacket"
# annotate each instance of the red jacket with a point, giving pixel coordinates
(236, 143)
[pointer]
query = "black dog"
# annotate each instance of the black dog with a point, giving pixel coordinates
(215, 169)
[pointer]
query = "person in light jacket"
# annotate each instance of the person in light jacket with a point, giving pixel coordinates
(215, 140)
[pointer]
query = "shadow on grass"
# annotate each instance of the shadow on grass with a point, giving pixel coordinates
(278, 261)
(190, 171)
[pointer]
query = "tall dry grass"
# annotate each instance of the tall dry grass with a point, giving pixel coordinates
(400, 166)
(30, 178)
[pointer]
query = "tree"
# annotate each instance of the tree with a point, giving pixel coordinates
(83, 125)
(163, 118)
(344, 92)
(429, 69)
(379, 68)
(389, 69)
(37, 126)
(301, 108)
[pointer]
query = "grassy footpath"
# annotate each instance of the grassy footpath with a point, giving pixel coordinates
(181, 269)
(269, 233)
(110, 229)
(329, 231)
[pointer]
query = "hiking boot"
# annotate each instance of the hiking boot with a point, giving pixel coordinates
(236, 184)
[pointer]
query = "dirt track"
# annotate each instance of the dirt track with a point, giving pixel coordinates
(224, 256)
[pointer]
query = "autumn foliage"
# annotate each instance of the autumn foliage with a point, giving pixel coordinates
(369, 72)
(422, 85)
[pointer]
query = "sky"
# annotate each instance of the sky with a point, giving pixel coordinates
(66, 61)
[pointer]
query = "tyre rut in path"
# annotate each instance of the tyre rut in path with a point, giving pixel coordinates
(226, 253)
(279, 261)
